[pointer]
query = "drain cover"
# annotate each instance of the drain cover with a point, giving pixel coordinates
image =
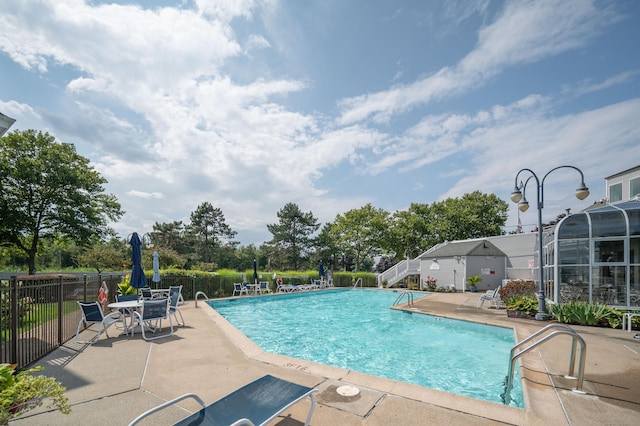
(347, 390)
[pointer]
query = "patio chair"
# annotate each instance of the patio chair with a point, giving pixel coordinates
(150, 318)
(92, 314)
(173, 307)
(178, 289)
(239, 288)
(146, 294)
(257, 403)
(264, 287)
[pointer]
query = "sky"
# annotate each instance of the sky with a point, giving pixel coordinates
(328, 104)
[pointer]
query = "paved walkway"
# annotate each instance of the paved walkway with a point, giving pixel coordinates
(114, 380)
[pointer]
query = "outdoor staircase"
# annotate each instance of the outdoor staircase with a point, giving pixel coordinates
(398, 271)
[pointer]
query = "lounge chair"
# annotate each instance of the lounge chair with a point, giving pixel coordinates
(488, 296)
(257, 403)
(151, 316)
(92, 314)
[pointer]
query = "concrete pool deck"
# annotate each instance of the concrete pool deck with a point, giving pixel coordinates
(116, 379)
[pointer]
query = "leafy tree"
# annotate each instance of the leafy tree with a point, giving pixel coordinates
(422, 226)
(169, 235)
(47, 190)
(103, 257)
(326, 248)
(361, 232)
(292, 241)
(210, 231)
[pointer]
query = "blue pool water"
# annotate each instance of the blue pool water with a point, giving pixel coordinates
(356, 330)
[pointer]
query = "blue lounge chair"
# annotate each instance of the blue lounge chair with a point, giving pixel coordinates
(257, 403)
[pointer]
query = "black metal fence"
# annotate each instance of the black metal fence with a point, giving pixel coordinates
(39, 313)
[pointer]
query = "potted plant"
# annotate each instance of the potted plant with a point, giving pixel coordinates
(21, 391)
(125, 288)
(473, 281)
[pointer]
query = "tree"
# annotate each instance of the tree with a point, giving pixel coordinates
(210, 230)
(168, 235)
(103, 257)
(422, 226)
(361, 232)
(49, 190)
(291, 242)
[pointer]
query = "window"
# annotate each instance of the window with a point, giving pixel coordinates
(607, 251)
(575, 226)
(634, 187)
(615, 192)
(608, 224)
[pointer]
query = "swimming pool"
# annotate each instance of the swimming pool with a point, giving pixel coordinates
(356, 330)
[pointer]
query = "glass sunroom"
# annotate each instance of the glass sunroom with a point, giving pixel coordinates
(594, 256)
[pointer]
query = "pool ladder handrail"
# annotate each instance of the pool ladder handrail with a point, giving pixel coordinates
(409, 295)
(566, 330)
(200, 293)
(359, 280)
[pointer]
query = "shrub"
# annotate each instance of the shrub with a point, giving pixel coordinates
(517, 288)
(524, 304)
(585, 313)
(24, 391)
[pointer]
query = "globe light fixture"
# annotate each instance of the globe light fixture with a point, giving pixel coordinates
(518, 195)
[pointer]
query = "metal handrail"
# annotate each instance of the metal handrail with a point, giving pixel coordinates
(359, 280)
(566, 330)
(409, 295)
(199, 293)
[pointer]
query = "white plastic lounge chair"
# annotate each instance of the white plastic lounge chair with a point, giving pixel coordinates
(257, 403)
(151, 316)
(239, 288)
(488, 296)
(173, 307)
(92, 314)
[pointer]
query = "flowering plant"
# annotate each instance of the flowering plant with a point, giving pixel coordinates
(430, 283)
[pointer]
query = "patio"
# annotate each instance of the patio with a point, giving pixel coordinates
(113, 381)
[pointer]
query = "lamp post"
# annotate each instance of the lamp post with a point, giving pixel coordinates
(519, 196)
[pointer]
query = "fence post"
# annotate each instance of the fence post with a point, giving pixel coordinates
(13, 297)
(60, 310)
(84, 285)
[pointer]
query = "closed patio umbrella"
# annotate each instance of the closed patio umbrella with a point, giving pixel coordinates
(321, 270)
(137, 279)
(156, 268)
(255, 272)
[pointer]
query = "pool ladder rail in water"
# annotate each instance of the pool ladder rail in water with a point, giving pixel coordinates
(408, 294)
(564, 330)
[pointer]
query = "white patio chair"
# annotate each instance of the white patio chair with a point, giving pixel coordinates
(92, 314)
(173, 307)
(150, 318)
(240, 289)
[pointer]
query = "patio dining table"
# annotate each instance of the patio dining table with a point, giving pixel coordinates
(130, 306)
